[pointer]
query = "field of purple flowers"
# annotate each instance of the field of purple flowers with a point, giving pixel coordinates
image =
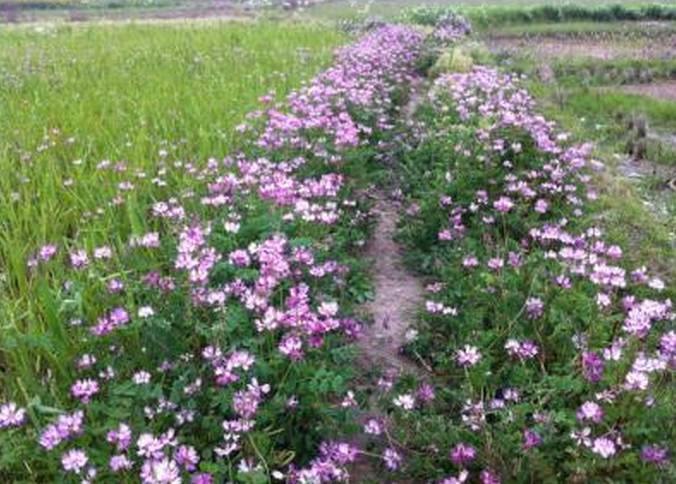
(555, 354)
(226, 353)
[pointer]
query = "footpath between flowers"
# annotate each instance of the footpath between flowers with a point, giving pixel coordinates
(227, 352)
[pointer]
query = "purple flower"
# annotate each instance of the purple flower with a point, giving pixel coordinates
(187, 457)
(592, 366)
(115, 286)
(523, 350)
(655, 454)
(392, 458)
(531, 439)
(503, 204)
(66, 426)
(202, 478)
(534, 307)
(340, 452)
(120, 437)
(85, 389)
(425, 392)
(462, 454)
(541, 206)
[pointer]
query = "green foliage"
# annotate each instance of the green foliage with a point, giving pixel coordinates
(453, 59)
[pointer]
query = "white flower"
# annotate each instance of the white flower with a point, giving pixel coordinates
(603, 447)
(405, 401)
(141, 377)
(145, 312)
(636, 380)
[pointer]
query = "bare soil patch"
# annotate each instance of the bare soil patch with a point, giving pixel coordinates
(216, 10)
(550, 48)
(398, 295)
(659, 90)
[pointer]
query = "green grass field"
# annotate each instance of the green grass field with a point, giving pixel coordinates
(73, 97)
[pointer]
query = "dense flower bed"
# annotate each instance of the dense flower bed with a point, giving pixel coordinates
(222, 353)
(552, 359)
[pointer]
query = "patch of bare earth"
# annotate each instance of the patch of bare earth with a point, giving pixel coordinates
(398, 295)
(219, 10)
(552, 48)
(659, 90)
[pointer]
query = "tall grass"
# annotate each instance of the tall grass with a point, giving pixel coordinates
(153, 97)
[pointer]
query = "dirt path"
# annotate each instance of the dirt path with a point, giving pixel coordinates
(548, 49)
(398, 295)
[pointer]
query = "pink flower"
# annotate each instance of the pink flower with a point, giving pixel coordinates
(46, 252)
(604, 447)
(373, 427)
(141, 377)
(541, 206)
(11, 415)
(74, 461)
(292, 347)
(462, 454)
(503, 204)
(590, 411)
(164, 471)
(79, 259)
(468, 356)
(120, 463)
(470, 261)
